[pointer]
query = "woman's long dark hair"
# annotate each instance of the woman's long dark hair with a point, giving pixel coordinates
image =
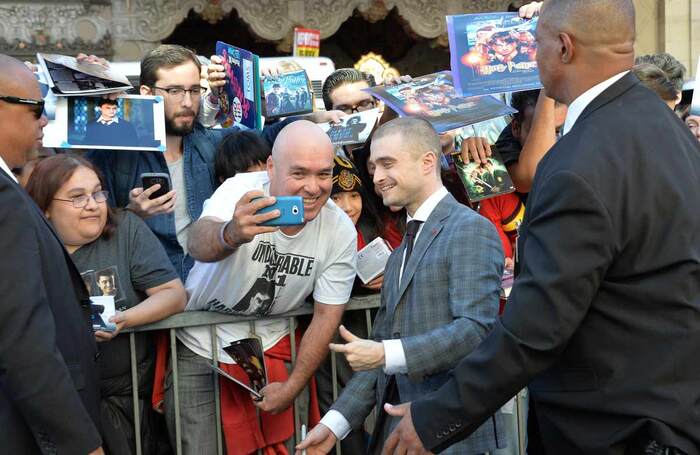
(51, 173)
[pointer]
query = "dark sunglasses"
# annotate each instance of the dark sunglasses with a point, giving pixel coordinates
(37, 106)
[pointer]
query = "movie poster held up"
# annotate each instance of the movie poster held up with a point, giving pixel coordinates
(239, 99)
(289, 93)
(433, 98)
(493, 53)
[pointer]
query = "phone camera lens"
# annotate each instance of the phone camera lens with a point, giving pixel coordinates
(295, 210)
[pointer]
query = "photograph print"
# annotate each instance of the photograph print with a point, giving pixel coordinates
(493, 53)
(248, 354)
(129, 122)
(353, 129)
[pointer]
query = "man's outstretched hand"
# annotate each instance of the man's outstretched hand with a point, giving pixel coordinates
(319, 441)
(403, 440)
(362, 355)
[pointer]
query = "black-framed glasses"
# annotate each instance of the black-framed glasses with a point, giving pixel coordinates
(37, 106)
(81, 201)
(178, 93)
(363, 105)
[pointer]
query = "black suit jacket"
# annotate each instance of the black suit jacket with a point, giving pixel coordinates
(49, 390)
(604, 319)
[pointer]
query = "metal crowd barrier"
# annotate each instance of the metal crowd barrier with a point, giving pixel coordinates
(211, 319)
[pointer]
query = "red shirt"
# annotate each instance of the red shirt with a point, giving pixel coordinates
(506, 213)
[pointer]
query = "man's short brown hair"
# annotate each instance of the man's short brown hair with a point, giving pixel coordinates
(165, 56)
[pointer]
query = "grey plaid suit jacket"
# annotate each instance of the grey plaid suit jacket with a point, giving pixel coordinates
(444, 306)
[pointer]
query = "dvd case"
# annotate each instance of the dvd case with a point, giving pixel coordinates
(492, 53)
(239, 99)
(289, 93)
(483, 181)
(433, 98)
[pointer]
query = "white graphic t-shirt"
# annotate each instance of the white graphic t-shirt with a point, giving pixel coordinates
(272, 274)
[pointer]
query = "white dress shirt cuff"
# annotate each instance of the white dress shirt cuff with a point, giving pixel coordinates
(338, 424)
(394, 357)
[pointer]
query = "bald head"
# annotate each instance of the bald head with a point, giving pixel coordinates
(581, 43)
(606, 23)
(299, 137)
(21, 122)
(15, 78)
(302, 165)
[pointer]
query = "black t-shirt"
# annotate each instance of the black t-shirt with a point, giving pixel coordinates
(508, 146)
(131, 261)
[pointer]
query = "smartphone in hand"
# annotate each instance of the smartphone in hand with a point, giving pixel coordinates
(148, 179)
(291, 211)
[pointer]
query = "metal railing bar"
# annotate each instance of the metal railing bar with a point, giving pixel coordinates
(135, 392)
(217, 391)
(176, 393)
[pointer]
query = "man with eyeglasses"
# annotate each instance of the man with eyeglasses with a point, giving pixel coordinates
(49, 393)
(172, 72)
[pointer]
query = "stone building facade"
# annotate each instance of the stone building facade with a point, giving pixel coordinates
(125, 29)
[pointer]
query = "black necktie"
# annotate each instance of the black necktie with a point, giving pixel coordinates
(411, 231)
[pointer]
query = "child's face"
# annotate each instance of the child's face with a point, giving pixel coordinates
(349, 202)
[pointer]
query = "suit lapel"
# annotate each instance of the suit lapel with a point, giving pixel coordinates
(625, 83)
(432, 227)
(78, 284)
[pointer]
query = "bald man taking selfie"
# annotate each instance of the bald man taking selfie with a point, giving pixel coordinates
(603, 321)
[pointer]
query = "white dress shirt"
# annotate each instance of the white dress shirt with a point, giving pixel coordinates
(394, 355)
(8, 171)
(577, 107)
(105, 121)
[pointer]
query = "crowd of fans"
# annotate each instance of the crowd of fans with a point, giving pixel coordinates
(201, 246)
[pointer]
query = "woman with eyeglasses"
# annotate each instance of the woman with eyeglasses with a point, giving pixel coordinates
(117, 255)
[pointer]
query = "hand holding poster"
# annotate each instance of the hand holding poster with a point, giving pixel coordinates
(239, 99)
(289, 93)
(493, 53)
(353, 129)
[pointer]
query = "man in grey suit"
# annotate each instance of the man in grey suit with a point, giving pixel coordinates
(439, 297)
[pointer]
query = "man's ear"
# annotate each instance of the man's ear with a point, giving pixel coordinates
(566, 48)
(431, 162)
(679, 98)
(145, 90)
(270, 164)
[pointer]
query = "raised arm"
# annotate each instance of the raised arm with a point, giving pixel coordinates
(212, 239)
(541, 138)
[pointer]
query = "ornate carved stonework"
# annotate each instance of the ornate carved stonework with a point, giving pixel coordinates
(153, 20)
(138, 25)
(27, 28)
